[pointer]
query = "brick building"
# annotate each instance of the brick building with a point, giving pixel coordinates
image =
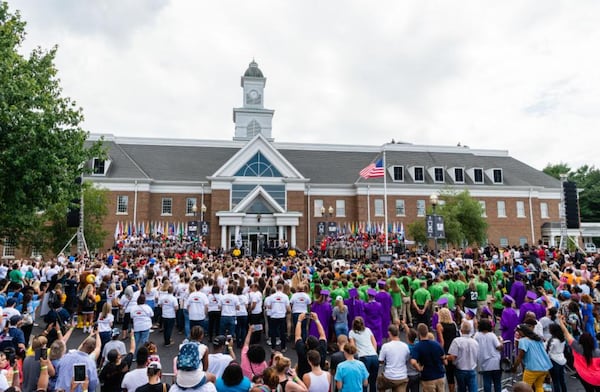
(260, 191)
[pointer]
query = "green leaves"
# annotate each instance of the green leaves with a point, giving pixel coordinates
(41, 143)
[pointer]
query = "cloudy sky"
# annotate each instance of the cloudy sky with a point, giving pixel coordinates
(522, 76)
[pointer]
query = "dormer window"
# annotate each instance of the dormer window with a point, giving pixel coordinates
(100, 166)
(495, 175)
(418, 174)
(398, 173)
(438, 174)
(457, 174)
(476, 175)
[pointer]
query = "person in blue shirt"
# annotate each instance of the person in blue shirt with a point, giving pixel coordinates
(428, 356)
(233, 380)
(351, 375)
(64, 369)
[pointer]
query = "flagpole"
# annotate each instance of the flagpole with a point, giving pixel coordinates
(369, 206)
(385, 209)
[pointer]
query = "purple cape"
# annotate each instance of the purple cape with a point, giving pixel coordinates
(508, 324)
(527, 307)
(355, 309)
(518, 292)
(385, 299)
(373, 312)
(323, 311)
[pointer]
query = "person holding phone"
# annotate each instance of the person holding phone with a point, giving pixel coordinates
(66, 368)
(31, 364)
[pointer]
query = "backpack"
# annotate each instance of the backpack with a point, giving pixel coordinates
(53, 300)
(189, 357)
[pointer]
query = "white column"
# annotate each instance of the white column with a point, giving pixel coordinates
(293, 237)
(224, 237)
(280, 233)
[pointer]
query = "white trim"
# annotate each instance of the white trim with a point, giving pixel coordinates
(258, 143)
(250, 197)
(411, 170)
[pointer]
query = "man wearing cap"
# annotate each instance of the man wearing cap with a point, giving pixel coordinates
(509, 319)
(322, 307)
(518, 290)
(279, 305)
(420, 303)
(385, 299)
(374, 316)
(154, 374)
(114, 344)
(355, 305)
(528, 306)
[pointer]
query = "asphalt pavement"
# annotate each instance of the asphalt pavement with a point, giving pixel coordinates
(167, 354)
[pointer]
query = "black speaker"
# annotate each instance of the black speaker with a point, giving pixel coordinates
(571, 205)
(73, 217)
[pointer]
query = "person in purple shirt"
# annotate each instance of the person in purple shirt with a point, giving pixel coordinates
(373, 319)
(322, 307)
(518, 291)
(385, 299)
(355, 306)
(509, 319)
(528, 306)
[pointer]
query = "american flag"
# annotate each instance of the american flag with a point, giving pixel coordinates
(373, 170)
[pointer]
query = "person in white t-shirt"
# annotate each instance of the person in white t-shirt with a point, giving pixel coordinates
(229, 306)
(393, 356)
(169, 307)
(256, 308)
(278, 305)
(300, 302)
(241, 326)
(197, 303)
(141, 315)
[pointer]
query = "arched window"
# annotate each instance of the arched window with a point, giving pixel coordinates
(253, 128)
(258, 166)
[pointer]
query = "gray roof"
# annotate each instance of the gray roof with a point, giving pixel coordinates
(322, 166)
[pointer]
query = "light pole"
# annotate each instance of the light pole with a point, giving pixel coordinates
(434, 202)
(202, 211)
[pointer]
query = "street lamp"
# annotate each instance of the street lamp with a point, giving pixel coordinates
(329, 211)
(202, 211)
(194, 209)
(434, 202)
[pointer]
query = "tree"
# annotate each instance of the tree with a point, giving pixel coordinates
(416, 231)
(587, 178)
(42, 146)
(463, 222)
(555, 170)
(50, 232)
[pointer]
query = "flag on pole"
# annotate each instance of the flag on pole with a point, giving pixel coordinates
(402, 229)
(117, 233)
(373, 170)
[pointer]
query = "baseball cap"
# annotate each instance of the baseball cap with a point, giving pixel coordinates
(116, 332)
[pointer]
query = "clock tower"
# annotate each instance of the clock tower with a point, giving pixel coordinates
(252, 118)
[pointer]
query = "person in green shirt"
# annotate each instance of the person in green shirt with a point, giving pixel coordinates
(449, 297)
(461, 286)
(337, 291)
(406, 299)
(396, 294)
(16, 276)
(421, 302)
(482, 292)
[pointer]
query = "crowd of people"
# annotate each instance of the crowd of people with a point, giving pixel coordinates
(420, 322)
